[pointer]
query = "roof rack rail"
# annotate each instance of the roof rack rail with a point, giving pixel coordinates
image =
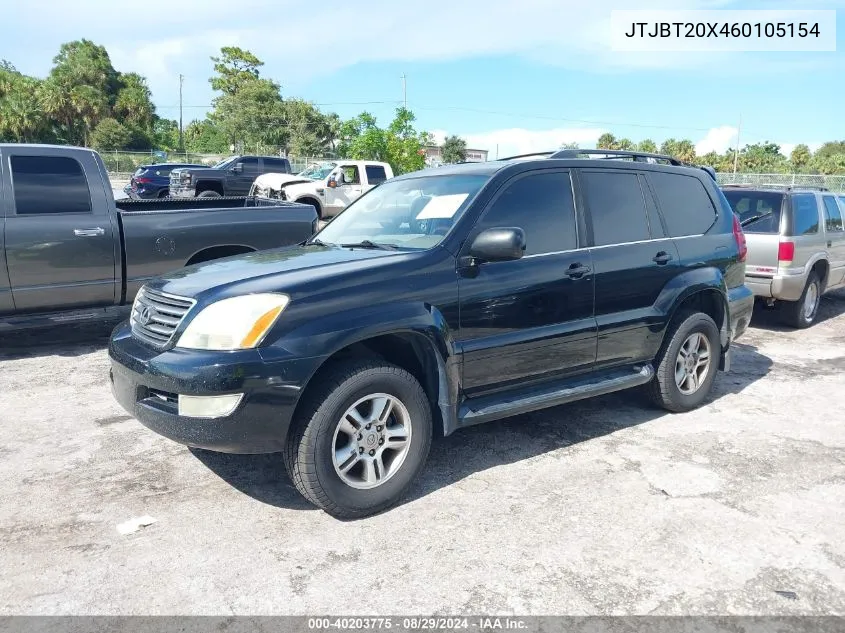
(532, 154)
(772, 185)
(619, 153)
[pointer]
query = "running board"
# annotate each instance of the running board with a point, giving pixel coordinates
(487, 408)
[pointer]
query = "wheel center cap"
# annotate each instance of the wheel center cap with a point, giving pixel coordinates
(690, 362)
(371, 439)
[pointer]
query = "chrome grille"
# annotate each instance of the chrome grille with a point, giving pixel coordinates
(156, 315)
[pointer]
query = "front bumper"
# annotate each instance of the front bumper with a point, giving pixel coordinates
(183, 191)
(740, 307)
(146, 383)
(783, 287)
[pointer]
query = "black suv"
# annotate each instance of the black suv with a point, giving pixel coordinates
(438, 300)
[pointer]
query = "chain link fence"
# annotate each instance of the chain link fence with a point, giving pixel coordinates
(834, 183)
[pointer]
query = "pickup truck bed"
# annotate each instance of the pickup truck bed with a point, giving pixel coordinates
(72, 251)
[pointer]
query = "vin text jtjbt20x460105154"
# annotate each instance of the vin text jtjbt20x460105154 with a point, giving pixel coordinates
(441, 299)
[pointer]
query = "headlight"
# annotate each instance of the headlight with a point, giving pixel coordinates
(236, 323)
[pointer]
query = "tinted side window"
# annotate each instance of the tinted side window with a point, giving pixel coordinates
(250, 166)
(275, 163)
(49, 184)
(375, 174)
(832, 215)
(616, 207)
(542, 206)
(805, 214)
(686, 206)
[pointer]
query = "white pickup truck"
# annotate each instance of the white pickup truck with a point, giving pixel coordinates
(330, 187)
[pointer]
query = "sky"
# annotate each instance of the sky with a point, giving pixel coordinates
(508, 76)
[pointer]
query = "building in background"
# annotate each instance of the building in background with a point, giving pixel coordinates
(434, 156)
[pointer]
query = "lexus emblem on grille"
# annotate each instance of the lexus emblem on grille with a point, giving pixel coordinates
(145, 315)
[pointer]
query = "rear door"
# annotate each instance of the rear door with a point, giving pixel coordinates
(633, 258)
(835, 234)
(60, 244)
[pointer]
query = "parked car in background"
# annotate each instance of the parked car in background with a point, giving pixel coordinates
(70, 252)
(438, 300)
(231, 177)
(153, 181)
(329, 187)
(796, 245)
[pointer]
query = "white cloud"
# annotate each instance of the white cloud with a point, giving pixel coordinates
(513, 141)
(717, 139)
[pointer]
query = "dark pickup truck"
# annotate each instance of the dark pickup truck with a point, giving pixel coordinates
(231, 177)
(438, 300)
(69, 251)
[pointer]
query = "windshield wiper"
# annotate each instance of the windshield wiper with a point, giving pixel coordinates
(371, 244)
(315, 242)
(754, 218)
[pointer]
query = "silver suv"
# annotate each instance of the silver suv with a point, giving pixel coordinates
(796, 245)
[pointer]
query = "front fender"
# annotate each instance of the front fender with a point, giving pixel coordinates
(325, 337)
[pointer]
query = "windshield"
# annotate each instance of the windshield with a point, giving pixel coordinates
(758, 211)
(318, 171)
(225, 163)
(413, 214)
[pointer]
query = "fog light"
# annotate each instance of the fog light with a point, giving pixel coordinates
(209, 406)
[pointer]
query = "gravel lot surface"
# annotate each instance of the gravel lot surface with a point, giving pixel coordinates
(599, 507)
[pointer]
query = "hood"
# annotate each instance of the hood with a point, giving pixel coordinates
(275, 181)
(278, 270)
(195, 171)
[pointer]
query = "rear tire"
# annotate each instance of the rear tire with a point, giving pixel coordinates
(209, 193)
(802, 313)
(337, 462)
(686, 367)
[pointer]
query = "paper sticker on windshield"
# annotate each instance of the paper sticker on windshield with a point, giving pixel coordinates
(442, 206)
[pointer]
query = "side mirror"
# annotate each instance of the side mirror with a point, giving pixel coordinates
(238, 168)
(498, 245)
(332, 183)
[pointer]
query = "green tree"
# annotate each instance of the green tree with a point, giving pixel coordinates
(763, 158)
(252, 117)
(308, 129)
(110, 134)
(454, 149)
(831, 148)
(235, 67)
(400, 144)
(647, 145)
(166, 135)
(405, 144)
(133, 103)
(800, 157)
(21, 118)
(606, 141)
(683, 150)
(204, 137)
(625, 144)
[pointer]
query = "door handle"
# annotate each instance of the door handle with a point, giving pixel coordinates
(575, 271)
(661, 258)
(89, 232)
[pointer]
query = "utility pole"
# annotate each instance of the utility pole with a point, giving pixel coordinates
(736, 150)
(404, 91)
(181, 133)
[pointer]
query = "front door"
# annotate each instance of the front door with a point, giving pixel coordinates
(239, 180)
(60, 249)
(835, 233)
(348, 189)
(530, 319)
(633, 262)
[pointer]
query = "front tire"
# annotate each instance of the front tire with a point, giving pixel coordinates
(359, 439)
(802, 313)
(687, 366)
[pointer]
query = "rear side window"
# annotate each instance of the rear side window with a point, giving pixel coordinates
(686, 206)
(49, 184)
(375, 174)
(617, 208)
(275, 163)
(805, 214)
(832, 215)
(542, 206)
(758, 211)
